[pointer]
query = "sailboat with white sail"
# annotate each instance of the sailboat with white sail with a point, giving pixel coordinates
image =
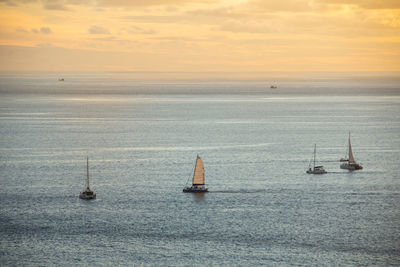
(350, 164)
(87, 194)
(198, 181)
(315, 169)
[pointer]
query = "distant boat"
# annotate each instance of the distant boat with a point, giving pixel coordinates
(273, 87)
(87, 194)
(351, 164)
(198, 185)
(316, 169)
(60, 79)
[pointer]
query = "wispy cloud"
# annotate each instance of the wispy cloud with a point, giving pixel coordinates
(45, 30)
(17, 2)
(96, 29)
(21, 29)
(55, 5)
(279, 6)
(369, 4)
(42, 30)
(138, 3)
(155, 18)
(139, 30)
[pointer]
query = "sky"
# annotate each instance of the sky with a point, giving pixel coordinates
(200, 36)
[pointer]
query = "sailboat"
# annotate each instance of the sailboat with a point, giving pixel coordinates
(351, 164)
(87, 194)
(198, 185)
(315, 169)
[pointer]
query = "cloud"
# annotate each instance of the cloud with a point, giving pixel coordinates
(95, 29)
(221, 12)
(279, 5)
(64, 5)
(17, 2)
(148, 32)
(47, 4)
(139, 30)
(21, 29)
(132, 3)
(368, 4)
(54, 5)
(45, 30)
(42, 30)
(153, 18)
(248, 27)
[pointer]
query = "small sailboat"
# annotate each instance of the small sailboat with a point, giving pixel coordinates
(198, 185)
(351, 164)
(87, 194)
(316, 169)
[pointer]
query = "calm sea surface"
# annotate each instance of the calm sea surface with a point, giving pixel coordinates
(142, 139)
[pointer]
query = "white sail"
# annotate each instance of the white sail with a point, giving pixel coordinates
(198, 175)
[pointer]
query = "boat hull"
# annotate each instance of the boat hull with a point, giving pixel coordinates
(317, 172)
(194, 190)
(83, 195)
(351, 166)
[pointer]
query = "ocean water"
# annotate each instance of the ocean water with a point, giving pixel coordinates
(142, 139)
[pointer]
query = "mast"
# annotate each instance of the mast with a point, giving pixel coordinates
(315, 151)
(87, 173)
(195, 167)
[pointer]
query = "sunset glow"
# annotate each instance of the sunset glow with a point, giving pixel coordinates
(200, 36)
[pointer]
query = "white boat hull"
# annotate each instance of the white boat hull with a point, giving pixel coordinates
(317, 170)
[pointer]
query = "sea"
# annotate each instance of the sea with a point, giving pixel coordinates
(142, 133)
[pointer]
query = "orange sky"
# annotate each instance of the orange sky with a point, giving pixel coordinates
(200, 36)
